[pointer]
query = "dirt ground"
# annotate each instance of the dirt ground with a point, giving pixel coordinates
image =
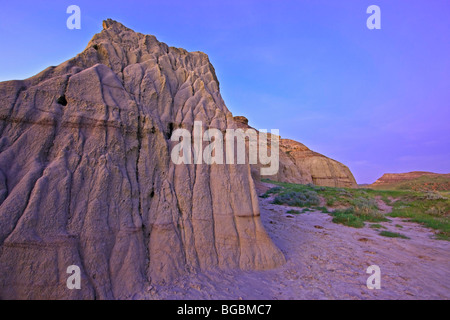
(328, 261)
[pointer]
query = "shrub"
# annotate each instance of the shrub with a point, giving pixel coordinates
(305, 198)
(347, 217)
(345, 193)
(431, 195)
(356, 215)
(368, 208)
(438, 210)
(271, 191)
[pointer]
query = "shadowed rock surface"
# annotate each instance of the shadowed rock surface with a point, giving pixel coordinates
(86, 177)
(299, 164)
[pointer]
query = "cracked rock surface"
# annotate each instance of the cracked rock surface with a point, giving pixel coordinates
(86, 177)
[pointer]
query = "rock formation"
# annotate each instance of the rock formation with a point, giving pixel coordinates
(316, 168)
(299, 164)
(86, 177)
(415, 180)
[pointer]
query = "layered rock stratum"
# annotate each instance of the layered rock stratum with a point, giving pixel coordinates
(86, 177)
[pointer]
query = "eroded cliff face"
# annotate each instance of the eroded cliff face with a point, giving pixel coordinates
(315, 167)
(86, 177)
(416, 180)
(299, 164)
(393, 178)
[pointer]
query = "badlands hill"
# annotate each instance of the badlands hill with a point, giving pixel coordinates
(86, 177)
(299, 164)
(416, 180)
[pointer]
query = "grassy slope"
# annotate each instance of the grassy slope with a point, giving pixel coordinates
(354, 207)
(431, 183)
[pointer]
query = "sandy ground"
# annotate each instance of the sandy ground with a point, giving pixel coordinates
(328, 261)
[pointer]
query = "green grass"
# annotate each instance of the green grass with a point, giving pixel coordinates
(434, 214)
(377, 226)
(392, 235)
(302, 198)
(322, 209)
(335, 197)
(273, 190)
(432, 209)
(347, 218)
(294, 211)
(355, 217)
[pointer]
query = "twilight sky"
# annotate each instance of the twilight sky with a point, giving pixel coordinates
(376, 100)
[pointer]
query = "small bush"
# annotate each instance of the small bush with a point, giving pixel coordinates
(431, 195)
(345, 193)
(271, 191)
(365, 205)
(356, 215)
(438, 211)
(294, 212)
(348, 218)
(274, 190)
(305, 198)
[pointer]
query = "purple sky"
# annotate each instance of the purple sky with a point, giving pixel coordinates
(378, 101)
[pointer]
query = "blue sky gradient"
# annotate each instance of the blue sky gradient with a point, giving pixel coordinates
(376, 100)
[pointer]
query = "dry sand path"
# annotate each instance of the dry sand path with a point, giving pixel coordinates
(329, 261)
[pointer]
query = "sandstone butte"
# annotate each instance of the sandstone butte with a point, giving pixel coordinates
(86, 177)
(299, 164)
(399, 180)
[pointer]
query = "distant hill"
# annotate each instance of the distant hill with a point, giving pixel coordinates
(299, 164)
(416, 180)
